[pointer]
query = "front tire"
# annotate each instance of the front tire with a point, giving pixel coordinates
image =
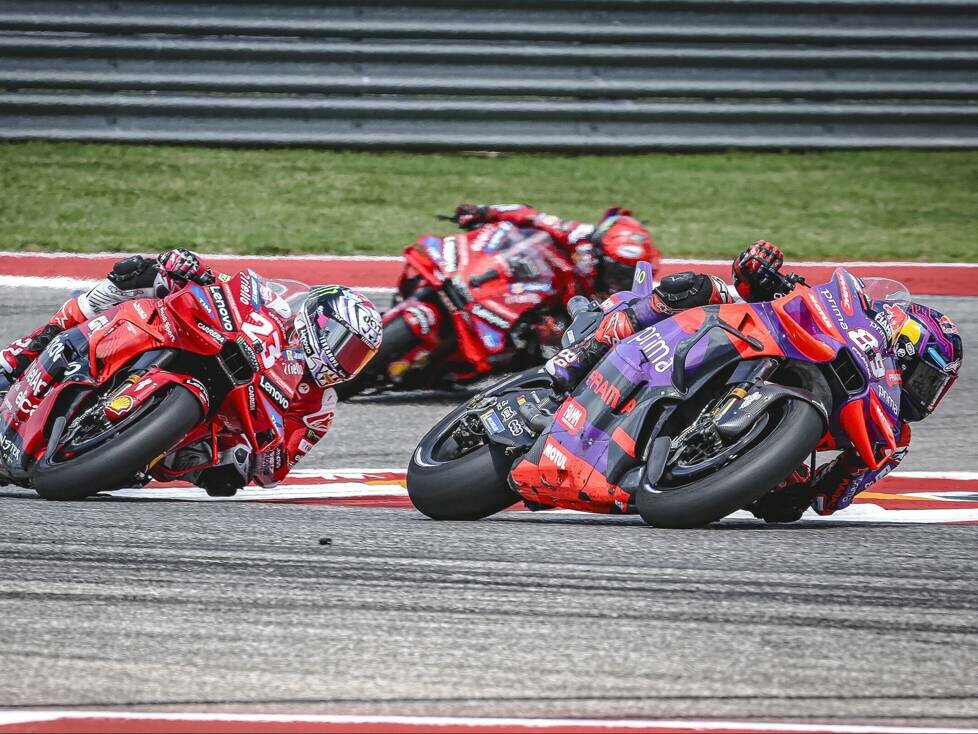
(745, 479)
(116, 461)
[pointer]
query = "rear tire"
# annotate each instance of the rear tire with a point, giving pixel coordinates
(468, 488)
(398, 339)
(121, 458)
(473, 486)
(747, 478)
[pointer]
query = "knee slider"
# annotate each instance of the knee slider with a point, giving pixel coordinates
(133, 272)
(685, 290)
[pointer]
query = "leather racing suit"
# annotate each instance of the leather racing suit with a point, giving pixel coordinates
(311, 408)
(834, 484)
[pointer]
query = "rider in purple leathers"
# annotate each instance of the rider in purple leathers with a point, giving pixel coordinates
(928, 349)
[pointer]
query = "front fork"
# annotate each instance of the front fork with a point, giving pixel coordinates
(745, 377)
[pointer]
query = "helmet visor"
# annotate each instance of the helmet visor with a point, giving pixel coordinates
(348, 351)
(925, 384)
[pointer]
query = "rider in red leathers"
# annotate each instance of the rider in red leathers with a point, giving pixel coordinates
(604, 255)
(337, 329)
(928, 349)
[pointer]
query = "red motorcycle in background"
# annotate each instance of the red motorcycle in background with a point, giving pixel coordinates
(107, 402)
(470, 304)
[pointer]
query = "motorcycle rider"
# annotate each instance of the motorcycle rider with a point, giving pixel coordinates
(927, 348)
(336, 328)
(604, 255)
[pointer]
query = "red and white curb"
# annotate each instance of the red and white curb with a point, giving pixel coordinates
(86, 722)
(902, 497)
(72, 270)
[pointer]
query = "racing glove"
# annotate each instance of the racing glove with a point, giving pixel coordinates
(470, 216)
(183, 265)
(753, 270)
(616, 326)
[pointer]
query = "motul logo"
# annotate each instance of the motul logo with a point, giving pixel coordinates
(555, 455)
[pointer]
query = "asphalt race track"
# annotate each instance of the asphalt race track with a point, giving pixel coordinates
(236, 606)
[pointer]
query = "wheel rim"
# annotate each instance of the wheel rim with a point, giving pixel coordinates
(80, 441)
(684, 465)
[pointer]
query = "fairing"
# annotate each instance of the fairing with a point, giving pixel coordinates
(601, 432)
(239, 316)
(461, 295)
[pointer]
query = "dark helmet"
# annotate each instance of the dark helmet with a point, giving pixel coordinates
(621, 242)
(928, 348)
(340, 331)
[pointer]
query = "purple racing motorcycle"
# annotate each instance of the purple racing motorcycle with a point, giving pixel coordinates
(685, 421)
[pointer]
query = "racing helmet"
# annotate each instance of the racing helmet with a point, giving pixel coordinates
(621, 242)
(929, 350)
(339, 330)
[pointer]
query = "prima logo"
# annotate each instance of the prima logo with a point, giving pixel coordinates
(836, 311)
(655, 349)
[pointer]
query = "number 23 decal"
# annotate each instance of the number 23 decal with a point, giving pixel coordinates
(259, 328)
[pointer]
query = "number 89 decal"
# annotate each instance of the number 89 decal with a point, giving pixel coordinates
(868, 343)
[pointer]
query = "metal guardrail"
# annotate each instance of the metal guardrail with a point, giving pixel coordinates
(573, 75)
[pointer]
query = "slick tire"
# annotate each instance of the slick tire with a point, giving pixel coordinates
(473, 486)
(468, 488)
(743, 480)
(398, 339)
(119, 459)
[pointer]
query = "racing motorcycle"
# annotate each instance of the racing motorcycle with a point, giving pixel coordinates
(685, 421)
(109, 403)
(469, 304)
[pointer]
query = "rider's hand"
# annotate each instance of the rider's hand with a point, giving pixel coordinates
(471, 215)
(616, 326)
(183, 265)
(754, 269)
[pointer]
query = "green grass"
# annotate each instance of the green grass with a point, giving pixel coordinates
(872, 204)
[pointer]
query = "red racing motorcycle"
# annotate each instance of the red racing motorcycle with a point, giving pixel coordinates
(471, 304)
(107, 402)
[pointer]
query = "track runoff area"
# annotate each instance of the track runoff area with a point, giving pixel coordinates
(906, 497)
(902, 497)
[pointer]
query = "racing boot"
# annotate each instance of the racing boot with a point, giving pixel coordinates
(788, 501)
(17, 357)
(232, 472)
(571, 365)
